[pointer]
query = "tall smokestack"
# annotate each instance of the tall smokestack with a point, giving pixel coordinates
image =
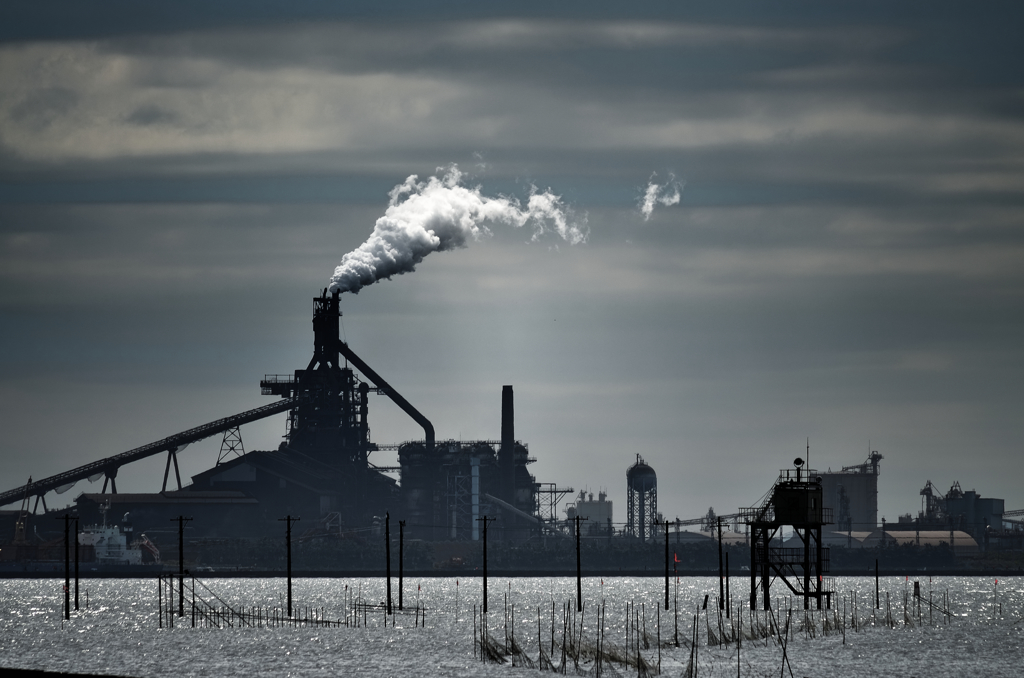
(326, 312)
(506, 456)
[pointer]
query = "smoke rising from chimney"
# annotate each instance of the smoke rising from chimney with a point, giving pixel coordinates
(441, 214)
(666, 194)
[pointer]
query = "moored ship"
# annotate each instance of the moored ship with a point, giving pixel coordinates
(102, 549)
(114, 550)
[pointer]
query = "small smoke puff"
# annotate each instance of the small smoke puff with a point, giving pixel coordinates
(547, 212)
(667, 194)
(441, 214)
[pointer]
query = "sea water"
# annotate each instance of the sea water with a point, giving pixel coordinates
(120, 634)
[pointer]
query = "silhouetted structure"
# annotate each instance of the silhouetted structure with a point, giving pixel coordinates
(852, 494)
(794, 501)
(322, 467)
(641, 500)
(958, 510)
(597, 513)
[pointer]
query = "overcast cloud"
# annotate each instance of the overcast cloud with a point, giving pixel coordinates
(834, 251)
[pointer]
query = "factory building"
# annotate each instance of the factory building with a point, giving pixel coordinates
(448, 489)
(596, 512)
(447, 494)
(322, 470)
(852, 494)
(973, 513)
(958, 510)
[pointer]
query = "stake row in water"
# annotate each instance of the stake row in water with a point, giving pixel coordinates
(567, 648)
(207, 609)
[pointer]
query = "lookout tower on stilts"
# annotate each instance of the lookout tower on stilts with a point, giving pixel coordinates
(794, 501)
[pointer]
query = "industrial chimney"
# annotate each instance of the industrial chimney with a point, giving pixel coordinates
(507, 455)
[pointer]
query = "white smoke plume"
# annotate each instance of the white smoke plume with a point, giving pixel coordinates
(441, 214)
(666, 194)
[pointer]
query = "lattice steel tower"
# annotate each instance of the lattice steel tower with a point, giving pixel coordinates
(795, 501)
(642, 500)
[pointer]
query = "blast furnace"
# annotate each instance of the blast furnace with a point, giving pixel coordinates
(322, 469)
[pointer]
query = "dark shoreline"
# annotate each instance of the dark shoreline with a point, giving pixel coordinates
(39, 673)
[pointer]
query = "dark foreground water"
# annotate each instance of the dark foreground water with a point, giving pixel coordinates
(119, 632)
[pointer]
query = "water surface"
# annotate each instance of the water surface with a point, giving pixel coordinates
(119, 633)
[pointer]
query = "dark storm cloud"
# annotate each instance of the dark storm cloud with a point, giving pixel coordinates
(754, 94)
(844, 262)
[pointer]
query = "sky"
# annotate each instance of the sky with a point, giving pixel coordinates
(796, 222)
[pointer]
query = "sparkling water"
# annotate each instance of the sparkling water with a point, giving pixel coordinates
(119, 633)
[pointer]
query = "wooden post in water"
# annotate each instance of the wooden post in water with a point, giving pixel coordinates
(727, 595)
(877, 602)
(181, 520)
(288, 520)
(540, 648)
(579, 582)
(917, 597)
(67, 567)
(696, 635)
(739, 639)
(551, 653)
(721, 573)
(387, 555)
(513, 648)
(659, 639)
(485, 520)
(666, 563)
(401, 565)
(675, 614)
(844, 620)
(76, 564)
